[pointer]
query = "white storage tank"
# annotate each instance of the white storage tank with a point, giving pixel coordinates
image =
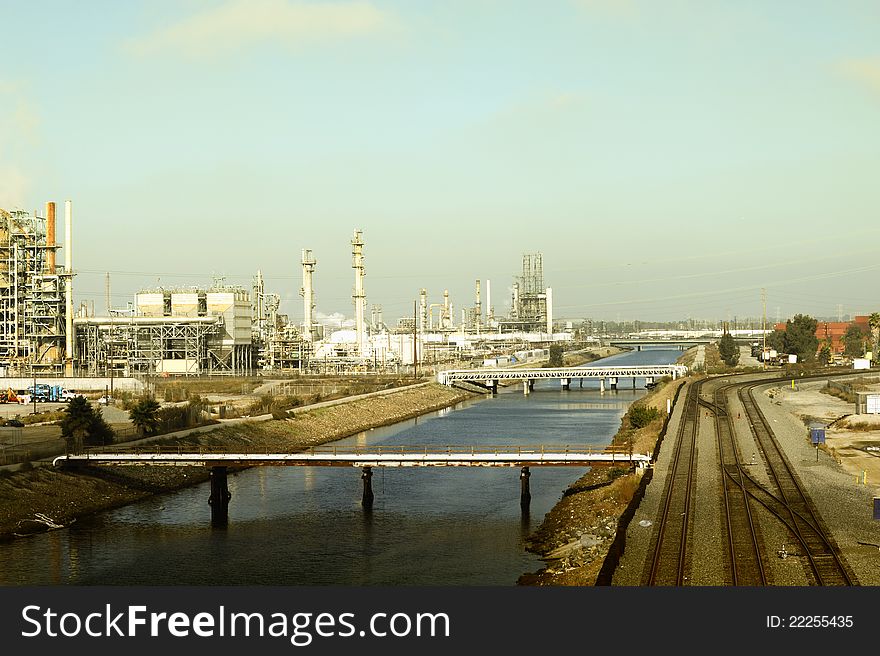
(150, 304)
(184, 304)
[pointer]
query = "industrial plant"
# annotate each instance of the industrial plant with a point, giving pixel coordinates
(234, 330)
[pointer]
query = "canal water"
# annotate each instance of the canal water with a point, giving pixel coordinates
(305, 525)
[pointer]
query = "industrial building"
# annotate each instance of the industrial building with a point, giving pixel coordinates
(183, 331)
(231, 330)
(35, 294)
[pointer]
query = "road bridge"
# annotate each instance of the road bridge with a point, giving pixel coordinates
(490, 376)
(218, 460)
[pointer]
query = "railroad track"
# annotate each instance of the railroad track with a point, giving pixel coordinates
(743, 545)
(668, 564)
(744, 500)
(791, 503)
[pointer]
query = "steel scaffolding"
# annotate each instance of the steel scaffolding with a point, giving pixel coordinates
(32, 319)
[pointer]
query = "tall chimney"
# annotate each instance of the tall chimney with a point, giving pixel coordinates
(489, 313)
(445, 320)
(68, 289)
(308, 293)
(50, 237)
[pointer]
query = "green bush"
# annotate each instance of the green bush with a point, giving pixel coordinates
(641, 415)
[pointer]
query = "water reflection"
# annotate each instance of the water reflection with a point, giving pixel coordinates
(298, 525)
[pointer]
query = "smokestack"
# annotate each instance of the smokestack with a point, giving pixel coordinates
(308, 293)
(489, 313)
(357, 263)
(50, 237)
(444, 321)
(549, 310)
(107, 292)
(68, 289)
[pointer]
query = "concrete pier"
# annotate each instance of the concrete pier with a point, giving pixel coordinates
(565, 383)
(367, 477)
(220, 496)
(525, 495)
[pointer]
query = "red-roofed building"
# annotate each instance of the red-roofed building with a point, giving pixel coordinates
(833, 331)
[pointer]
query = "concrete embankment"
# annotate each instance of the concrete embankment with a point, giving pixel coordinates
(63, 496)
(580, 531)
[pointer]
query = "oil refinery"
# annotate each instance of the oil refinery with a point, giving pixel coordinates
(193, 330)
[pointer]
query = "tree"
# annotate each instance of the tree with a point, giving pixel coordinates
(854, 341)
(82, 426)
(145, 416)
(800, 337)
(728, 350)
(874, 322)
(776, 340)
(556, 358)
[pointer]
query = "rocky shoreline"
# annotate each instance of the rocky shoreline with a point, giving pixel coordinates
(64, 496)
(580, 531)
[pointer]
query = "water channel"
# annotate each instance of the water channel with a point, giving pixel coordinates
(305, 525)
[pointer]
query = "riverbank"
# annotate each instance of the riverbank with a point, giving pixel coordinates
(64, 496)
(577, 534)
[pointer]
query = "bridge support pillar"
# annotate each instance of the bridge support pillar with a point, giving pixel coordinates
(526, 387)
(649, 380)
(367, 477)
(601, 385)
(220, 496)
(525, 495)
(634, 382)
(531, 385)
(565, 383)
(494, 385)
(638, 347)
(581, 382)
(612, 383)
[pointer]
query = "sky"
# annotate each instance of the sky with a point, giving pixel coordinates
(669, 159)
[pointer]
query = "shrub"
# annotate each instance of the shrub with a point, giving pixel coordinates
(642, 415)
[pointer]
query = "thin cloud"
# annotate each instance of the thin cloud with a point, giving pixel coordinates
(237, 24)
(865, 71)
(611, 8)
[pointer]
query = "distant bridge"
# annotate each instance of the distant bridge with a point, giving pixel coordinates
(565, 375)
(218, 460)
(659, 341)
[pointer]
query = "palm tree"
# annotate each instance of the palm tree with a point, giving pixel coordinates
(145, 416)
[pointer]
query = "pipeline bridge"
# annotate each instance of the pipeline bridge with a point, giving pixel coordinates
(680, 343)
(490, 377)
(218, 460)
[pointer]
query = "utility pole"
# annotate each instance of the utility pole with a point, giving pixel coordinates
(764, 328)
(415, 350)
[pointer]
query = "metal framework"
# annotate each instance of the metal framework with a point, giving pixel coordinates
(127, 346)
(564, 373)
(32, 304)
(376, 456)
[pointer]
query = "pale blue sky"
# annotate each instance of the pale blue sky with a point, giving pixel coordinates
(668, 158)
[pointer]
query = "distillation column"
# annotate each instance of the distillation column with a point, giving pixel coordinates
(360, 299)
(308, 293)
(549, 295)
(478, 309)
